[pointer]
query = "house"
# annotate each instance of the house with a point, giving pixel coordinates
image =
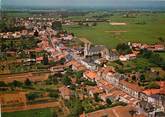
(154, 47)
(39, 59)
(90, 75)
(94, 90)
(124, 97)
(76, 66)
(89, 63)
(114, 78)
(118, 111)
(113, 55)
(100, 50)
(55, 68)
(159, 47)
(107, 88)
(101, 82)
(136, 45)
(100, 61)
(105, 96)
(110, 75)
(68, 37)
(123, 58)
(144, 105)
(29, 61)
(155, 97)
(131, 56)
(131, 88)
(11, 53)
(113, 94)
(65, 92)
(24, 32)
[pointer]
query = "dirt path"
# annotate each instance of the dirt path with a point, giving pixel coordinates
(116, 31)
(84, 40)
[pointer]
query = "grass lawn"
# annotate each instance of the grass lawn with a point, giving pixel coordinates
(31, 113)
(162, 55)
(145, 33)
(138, 64)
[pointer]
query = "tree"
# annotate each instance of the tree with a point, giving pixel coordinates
(3, 47)
(55, 114)
(52, 79)
(32, 96)
(45, 59)
(2, 84)
(28, 82)
(8, 25)
(57, 26)
(142, 78)
(69, 70)
(36, 33)
(90, 83)
(161, 39)
(153, 58)
(12, 45)
(134, 78)
(109, 101)
(96, 96)
(66, 81)
(78, 74)
(16, 83)
(54, 94)
(62, 61)
(152, 85)
(123, 48)
(157, 59)
(77, 108)
(32, 55)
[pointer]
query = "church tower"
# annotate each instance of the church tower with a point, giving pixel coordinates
(86, 49)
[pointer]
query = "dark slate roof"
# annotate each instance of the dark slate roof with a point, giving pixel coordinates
(69, 57)
(88, 60)
(96, 48)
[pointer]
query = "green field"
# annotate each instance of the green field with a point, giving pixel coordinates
(18, 14)
(31, 113)
(135, 31)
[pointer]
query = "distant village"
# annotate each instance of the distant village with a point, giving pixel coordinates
(79, 70)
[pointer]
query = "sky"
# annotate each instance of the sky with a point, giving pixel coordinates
(75, 2)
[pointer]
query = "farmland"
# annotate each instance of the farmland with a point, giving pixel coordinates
(144, 27)
(31, 113)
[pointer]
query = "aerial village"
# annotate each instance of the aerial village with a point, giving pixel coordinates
(44, 66)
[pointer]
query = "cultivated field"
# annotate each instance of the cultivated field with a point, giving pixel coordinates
(143, 27)
(31, 113)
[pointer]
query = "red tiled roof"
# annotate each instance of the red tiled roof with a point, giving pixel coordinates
(154, 91)
(95, 90)
(132, 86)
(107, 69)
(161, 84)
(91, 74)
(65, 90)
(39, 58)
(112, 112)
